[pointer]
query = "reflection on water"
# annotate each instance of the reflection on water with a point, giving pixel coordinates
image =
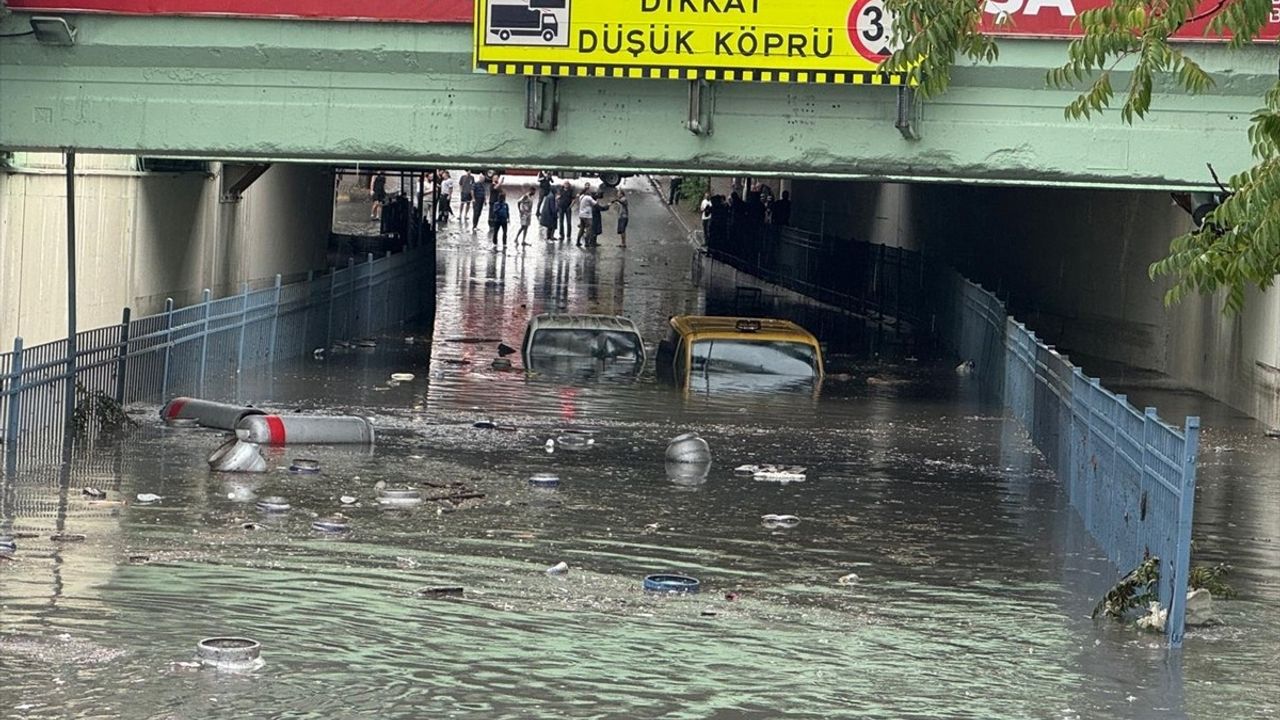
(974, 587)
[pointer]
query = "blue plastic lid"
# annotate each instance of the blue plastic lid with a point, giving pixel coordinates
(671, 584)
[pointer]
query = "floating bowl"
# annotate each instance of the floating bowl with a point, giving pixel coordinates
(274, 504)
(679, 584)
(545, 481)
(232, 653)
(400, 497)
(336, 524)
(303, 466)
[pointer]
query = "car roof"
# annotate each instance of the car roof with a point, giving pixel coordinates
(582, 322)
(727, 326)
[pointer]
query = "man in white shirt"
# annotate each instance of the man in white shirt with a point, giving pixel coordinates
(586, 202)
(446, 197)
(705, 207)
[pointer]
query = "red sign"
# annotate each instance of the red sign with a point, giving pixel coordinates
(419, 11)
(1022, 18)
(1060, 18)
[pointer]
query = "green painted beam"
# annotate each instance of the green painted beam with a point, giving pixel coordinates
(318, 91)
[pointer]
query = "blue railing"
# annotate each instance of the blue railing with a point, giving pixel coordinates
(181, 351)
(1131, 476)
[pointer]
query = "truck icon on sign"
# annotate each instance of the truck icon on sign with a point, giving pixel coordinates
(531, 22)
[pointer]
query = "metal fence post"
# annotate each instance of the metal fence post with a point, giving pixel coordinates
(368, 298)
(1186, 505)
(275, 324)
(351, 298)
(123, 355)
(168, 346)
(333, 289)
(14, 390)
(204, 336)
(244, 321)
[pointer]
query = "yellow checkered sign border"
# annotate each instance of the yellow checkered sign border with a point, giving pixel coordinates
(758, 41)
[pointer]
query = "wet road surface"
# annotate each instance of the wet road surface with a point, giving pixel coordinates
(974, 579)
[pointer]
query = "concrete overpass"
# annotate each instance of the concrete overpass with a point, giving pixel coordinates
(335, 91)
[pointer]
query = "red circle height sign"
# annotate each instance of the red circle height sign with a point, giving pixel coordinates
(871, 30)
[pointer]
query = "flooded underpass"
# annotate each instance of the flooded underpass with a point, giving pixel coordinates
(936, 570)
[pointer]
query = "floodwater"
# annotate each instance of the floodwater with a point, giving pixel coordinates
(974, 578)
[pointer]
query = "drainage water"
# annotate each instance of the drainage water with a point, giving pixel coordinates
(975, 578)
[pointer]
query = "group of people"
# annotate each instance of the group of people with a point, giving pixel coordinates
(557, 208)
(760, 208)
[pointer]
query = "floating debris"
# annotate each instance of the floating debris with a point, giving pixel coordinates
(274, 504)
(688, 448)
(148, 498)
(252, 526)
(238, 456)
(334, 524)
(545, 481)
(402, 377)
(229, 653)
(850, 579)
(399, 497)
(675, 584)
(347, 500)
(574, 441)
(67, 537)
(774, 473)
(560, 568)
(440, 591)
(304, 466)
(505, 350)
(501, 364)
(93, 492)
(965, 368)
(779, 521)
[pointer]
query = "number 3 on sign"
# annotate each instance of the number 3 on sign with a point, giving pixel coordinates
(871, 30)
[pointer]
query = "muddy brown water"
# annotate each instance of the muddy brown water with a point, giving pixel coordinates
(975, 579)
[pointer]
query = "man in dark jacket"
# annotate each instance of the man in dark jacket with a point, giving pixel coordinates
(780, 210)
(547, 215)
(481, 192)
(564, 208)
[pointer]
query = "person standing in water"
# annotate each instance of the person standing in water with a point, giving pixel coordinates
(499, 215)
(525, 206)
(624, 215)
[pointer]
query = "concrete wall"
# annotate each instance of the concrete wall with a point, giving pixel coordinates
(143, 237)
(1073, 264)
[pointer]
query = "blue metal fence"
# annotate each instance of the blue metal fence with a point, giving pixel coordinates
(1130, 475)
(182, 350)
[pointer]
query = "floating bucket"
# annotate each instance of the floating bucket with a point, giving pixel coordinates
(274, 504)
(399, 497)
(681, 584)
(237, 456)
(688, 448)
(545, 481)
(229, 653)
(303, 466)
(305, 429)
(208, 414)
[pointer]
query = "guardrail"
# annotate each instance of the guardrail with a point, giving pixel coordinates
(1130, 475)
(181, 350)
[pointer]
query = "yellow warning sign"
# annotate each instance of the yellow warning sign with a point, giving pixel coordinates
(814, 41)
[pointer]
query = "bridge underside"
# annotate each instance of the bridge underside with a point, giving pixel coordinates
(265, 89)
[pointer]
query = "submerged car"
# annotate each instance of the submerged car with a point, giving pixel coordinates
(583, 345)
(732, 353)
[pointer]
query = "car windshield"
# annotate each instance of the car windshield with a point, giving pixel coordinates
(562, 349)
(755, 357)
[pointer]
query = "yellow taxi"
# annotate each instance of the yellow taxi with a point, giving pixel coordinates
(732, 353)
